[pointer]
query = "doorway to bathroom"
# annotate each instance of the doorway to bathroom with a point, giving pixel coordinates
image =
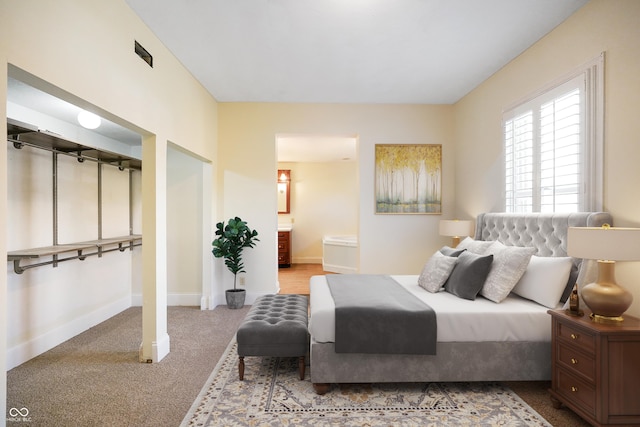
(324, 191)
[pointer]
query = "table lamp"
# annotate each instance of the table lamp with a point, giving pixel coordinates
(455, 228)
(606, 299)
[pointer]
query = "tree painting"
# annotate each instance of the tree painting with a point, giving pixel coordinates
(408, 179)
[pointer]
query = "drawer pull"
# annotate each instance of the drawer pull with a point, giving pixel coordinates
(574, 361)
(574, 388)
(574, 336)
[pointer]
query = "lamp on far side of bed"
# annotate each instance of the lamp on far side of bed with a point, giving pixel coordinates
(606, 299)
(455, 228)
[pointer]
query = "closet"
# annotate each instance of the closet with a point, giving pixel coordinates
(26, 135)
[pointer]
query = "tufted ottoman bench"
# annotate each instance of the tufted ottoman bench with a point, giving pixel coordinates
(276, 325)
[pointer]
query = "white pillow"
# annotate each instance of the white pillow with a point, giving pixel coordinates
(436, 271)
(478, 247)
(545, 280)
(509, 264)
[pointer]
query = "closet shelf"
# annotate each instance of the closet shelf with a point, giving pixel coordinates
(95, 247)
(21, 134)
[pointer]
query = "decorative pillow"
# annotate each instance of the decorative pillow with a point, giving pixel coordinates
(446, 250)
(476, 246)
(509, 264)
(468, 275)
(436, 271)
(544, 280)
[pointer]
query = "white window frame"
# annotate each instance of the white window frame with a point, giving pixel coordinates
(591, 77)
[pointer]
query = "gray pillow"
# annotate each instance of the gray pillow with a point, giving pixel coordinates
(436, 271)
(476, 246)
(469, 274)
(509, 264)
(448, 251)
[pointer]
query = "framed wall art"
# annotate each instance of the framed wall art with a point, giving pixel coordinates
(408, 178)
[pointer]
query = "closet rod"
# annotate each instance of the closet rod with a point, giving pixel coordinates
(19, 144)
(19, 269)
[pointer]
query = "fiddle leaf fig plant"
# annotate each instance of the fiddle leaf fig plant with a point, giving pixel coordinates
(231, 241)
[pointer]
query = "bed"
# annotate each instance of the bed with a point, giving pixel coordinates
(477, 339)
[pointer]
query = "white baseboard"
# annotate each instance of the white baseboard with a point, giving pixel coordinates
(160, 348)
(339, 269)
(306, 260)
(19, 354)
(199, 300)
(27, 350)
(251, 297)
(191, 300)
(207, 303)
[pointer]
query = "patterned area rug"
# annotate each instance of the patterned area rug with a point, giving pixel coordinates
(273, 395)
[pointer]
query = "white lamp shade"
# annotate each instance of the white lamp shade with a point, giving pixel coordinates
(455, 228)
(611, 244)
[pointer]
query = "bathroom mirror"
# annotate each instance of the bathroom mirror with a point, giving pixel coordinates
(284, 179)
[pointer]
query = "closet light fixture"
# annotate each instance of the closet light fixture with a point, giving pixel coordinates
(89, 120)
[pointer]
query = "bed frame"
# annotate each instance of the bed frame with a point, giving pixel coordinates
(466, 361)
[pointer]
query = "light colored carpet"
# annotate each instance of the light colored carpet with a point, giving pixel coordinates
(273, 395)
(95, 379)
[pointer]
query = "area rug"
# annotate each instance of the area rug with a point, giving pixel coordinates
(273, 395)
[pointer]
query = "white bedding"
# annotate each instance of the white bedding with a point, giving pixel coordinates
(459, 320)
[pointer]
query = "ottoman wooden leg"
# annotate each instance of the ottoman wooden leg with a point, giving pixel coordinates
(241, 367)
(301, 367)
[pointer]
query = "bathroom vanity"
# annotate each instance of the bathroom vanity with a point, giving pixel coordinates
(284, 248)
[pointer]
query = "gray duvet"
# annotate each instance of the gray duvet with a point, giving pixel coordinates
(375, 314)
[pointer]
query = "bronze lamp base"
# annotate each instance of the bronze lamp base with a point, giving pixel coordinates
(606, 299)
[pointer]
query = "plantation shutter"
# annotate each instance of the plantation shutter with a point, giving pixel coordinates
(553, 147)
(560, 151)
(519, 163)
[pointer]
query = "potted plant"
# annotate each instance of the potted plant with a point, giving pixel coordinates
(231, 241)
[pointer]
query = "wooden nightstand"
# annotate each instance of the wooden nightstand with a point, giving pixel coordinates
(596, 368)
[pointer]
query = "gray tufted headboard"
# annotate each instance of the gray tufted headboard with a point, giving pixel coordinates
(545, 232)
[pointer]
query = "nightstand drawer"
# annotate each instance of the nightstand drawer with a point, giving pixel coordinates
(578, 337)
(595, 368)
(577, 362)
(577, 391)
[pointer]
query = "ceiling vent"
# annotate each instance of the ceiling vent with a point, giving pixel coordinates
(142, 53)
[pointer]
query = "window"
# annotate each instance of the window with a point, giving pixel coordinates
(553, 146)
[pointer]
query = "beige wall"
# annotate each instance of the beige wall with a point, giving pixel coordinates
(388, 243)
(600, 26)
(324, 201)
(83, 52)
(166, 103)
